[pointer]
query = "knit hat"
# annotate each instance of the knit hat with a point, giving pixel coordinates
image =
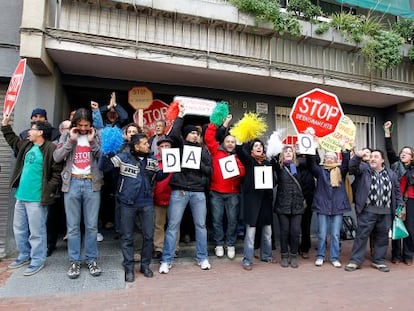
(188, 129)
(40, 111)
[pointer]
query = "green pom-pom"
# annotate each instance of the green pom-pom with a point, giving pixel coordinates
(220, 112)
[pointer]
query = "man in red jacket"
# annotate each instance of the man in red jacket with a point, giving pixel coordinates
(224, 190)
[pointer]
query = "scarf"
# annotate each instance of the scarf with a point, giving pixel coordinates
(259, 158)
(292, 167)
(335, 174)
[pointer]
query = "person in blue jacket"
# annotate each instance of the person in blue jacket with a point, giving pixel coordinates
(330, 202)
(137, 174)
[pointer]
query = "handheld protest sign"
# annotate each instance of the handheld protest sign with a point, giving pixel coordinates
(14, 87)
(345, 132)
(228, 167)
(155, 112)
(140, 98)
(306, 144)
(191, 157)
(263, 177)
(196, 106)
(318, 110)
(171, 160)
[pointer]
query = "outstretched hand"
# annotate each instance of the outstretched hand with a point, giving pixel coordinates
(6, 120)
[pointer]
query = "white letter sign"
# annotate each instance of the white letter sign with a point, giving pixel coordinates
(228, 166)
(171, 160)
(263, 177)
(306, 144)
(191, 157)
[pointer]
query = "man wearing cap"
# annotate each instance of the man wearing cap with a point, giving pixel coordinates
(188, 186)
(162, 194)
(40, 114)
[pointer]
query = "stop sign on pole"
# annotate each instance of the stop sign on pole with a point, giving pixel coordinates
(316, 112)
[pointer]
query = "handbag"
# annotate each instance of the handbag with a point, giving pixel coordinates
(399, 231)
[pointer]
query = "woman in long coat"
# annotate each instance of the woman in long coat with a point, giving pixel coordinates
(257, 204)
(289, 206)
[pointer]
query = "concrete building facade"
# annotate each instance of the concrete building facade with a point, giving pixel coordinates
(81, 50)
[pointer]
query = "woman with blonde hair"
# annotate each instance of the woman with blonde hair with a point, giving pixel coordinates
(289, 206)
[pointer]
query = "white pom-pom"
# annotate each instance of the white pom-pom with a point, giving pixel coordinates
(274, 145)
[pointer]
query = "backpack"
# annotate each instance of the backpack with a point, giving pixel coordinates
(348, 229)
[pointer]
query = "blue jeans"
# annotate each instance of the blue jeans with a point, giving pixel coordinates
(81, 197)
(265, 244)
(335, 221)
(220, 202)
(146, 216)
(178, 201)
(29, 227)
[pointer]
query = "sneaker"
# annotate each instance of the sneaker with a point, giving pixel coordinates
(99, 237)
(231, 252)
(319, 262)
(94, 269)
(204, 265)
(219, 250)
(18, 263)
(30, 270)
(336, 264)
(164, 268)
(74, 270)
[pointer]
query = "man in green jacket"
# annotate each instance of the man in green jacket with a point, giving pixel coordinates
(36, 178)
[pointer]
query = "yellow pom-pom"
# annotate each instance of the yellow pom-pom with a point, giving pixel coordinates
(250, 127)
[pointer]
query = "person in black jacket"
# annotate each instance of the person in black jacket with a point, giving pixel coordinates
(257, 211)
(403, 166)
(289, 206)
(376, 198)
(187, 186)
(307, 182)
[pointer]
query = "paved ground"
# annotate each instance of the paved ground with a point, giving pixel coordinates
(225, 287)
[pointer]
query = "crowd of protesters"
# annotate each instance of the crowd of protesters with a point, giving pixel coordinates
(63, 175)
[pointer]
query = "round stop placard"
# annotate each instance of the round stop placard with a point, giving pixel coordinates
(316, 112)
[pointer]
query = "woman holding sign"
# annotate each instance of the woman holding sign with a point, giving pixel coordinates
(257, 201)
(289, 206)
(330, 202)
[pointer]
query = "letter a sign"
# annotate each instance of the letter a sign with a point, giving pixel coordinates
(14, 87)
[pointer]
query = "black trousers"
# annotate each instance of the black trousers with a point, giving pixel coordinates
(146, 216)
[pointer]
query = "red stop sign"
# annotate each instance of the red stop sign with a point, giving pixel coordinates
(155, 112)
(316, 111)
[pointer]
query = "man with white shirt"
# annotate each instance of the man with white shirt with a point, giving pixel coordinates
(81, 185)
